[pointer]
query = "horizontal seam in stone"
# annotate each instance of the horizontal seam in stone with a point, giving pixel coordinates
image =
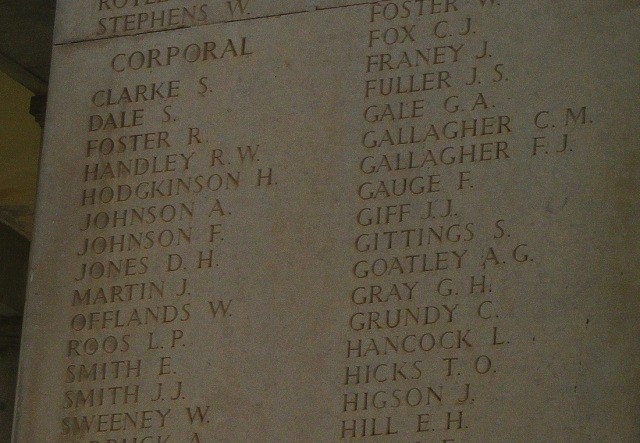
(221, 22)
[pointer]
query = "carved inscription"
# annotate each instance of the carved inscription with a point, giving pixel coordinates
(426, 338)
(155, 204)
(194, 159)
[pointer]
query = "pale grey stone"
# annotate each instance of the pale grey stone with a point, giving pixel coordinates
(554, 234)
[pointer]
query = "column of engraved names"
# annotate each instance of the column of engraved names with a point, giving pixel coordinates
(129, 309)
(150, 202)
(129, 315)
(423, 323)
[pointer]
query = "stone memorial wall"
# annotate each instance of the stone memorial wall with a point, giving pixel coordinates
(323, 220)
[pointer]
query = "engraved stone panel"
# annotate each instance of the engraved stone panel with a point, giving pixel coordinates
(336, 221)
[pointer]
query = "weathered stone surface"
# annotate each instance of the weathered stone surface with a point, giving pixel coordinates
(339, 224)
